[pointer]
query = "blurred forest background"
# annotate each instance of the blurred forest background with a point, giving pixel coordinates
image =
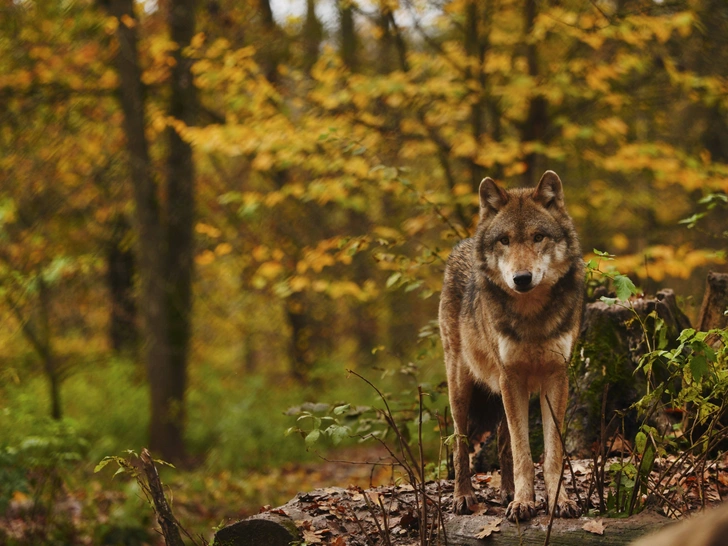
(210, 209)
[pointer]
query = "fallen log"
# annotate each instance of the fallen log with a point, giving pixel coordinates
(389, 515)
(462, 531)
(267, 529)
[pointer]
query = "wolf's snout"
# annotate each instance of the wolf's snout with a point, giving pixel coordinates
(522, 280)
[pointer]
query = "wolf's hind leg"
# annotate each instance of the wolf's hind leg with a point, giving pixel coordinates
(556, 389)
(461, 389)
(505, 458)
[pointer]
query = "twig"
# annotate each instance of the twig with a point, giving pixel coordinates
(166, 519)
(372, 511)
(553, 509)
(563, 450)
(423, 513)
(385, 518)
(602, 447)
(389, 416)
(361, 527)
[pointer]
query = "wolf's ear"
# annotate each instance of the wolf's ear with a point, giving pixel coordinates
(549, 191)
(492, 197)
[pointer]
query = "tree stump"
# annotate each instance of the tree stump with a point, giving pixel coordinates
(715, 303)
(611, 345)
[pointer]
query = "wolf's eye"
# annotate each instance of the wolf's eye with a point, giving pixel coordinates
(505, 241)
(538, 237)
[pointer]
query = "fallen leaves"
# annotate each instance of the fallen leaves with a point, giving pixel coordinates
(595, 526)
(493, 526)
(312, 535)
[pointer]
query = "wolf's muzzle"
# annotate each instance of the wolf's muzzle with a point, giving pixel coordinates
(522, 280)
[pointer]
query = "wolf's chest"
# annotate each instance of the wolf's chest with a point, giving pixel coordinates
(488, 359)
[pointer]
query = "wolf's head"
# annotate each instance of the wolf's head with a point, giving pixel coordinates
(525, 238)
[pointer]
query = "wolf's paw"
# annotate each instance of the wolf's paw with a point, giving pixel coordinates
(567, 509)
(521, 511)
(462, 504)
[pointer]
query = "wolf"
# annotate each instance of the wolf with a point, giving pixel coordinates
(510, 313)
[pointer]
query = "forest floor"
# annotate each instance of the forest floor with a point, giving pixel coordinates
(342, 496)
(390, 514)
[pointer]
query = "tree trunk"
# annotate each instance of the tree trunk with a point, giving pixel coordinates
(300, 342)
(312, 34)
(50, 363)
(269, 50)
(348, 41)
(180, 238)
(38, 334)
(166, 298)
(476, 45)
(123, 331)
(534, 128)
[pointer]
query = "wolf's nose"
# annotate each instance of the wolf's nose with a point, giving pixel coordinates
(522, 279)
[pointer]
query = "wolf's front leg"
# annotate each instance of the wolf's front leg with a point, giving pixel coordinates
(555, 390)
(515, 401)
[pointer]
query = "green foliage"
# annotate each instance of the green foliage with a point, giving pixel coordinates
(622, 284)
(698, 377)
(35, 471)
(629, 477)
(393, 422)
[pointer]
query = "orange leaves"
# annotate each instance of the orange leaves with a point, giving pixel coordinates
(505, 152)
(635, 29)
(208, 230)
(464, 145)
(269, 270)
(668, 164)
(658, 262)
(329, 252)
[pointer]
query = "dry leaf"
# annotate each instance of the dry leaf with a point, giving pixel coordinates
(594, 526)
(492, 526)
(620, 444)
(311, 537)
(482, 477)
(373, 496)
(580, 468)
